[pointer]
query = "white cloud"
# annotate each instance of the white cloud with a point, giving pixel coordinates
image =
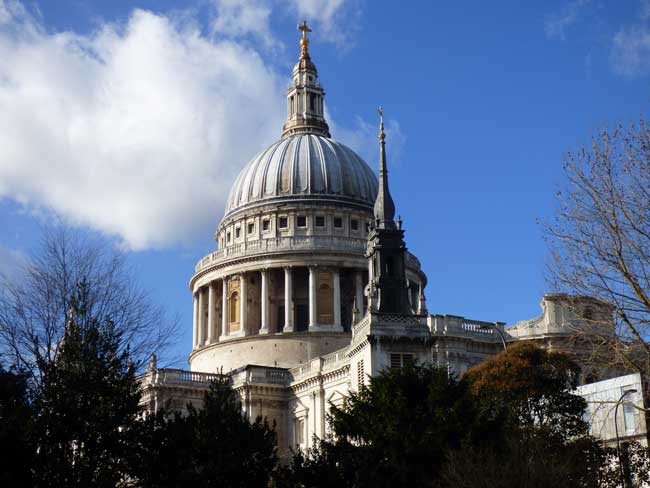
(239, 18)
(363, 137)
(631, 51)
(335, 18)
(556, 25)
(138, 129)
(135, 130)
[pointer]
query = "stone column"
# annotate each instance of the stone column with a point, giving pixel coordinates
(201, 335)
(264, 327)
(195, 321)
(243, 308)
(337, 299)
(313, 318)
(358, 292)
(288, 301)
(224, 308)
(211, 313)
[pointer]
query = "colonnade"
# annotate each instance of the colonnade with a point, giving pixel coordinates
(234, 307)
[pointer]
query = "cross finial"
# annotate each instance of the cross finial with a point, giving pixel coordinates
(304, 42)
(304, 29)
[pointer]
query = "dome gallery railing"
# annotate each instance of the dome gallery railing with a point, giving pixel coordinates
(293, 243)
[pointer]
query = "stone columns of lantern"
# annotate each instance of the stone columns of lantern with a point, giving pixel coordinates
(195, 321)
(288, 300)
(358, 292)
(336, 277)
(243, 304)
(313, 318)
(211, 313)
(201, 338)
(224, 308)
(264, 327)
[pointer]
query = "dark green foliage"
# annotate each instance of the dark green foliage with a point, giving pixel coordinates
(213, 446)
(16, 447)
(86, 405)
(509, 422)
(394, 432)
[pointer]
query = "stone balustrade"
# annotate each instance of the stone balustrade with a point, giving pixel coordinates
(452, 325)
(170, 376)
(291, 244)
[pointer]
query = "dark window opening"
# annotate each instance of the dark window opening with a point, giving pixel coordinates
(237, 232)
(301, 221)
(320, 221)
(389, 266)
(338, 222)
(251, 227)
(283, 222)
(228, 236)
(266, 224)
(312, 104)
(291, 108)
(354, 224)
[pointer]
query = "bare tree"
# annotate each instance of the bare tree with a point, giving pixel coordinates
(600, 240)
(34, 304)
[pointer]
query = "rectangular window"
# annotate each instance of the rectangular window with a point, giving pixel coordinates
(283, 222)
(237, 232)
(320, 221)
(301, 221)
(354, 224)
(299, 434)
(251, 227)
(399, 360)
(360, 373)
(266, 224)
(628, 415)
(338, 222)
(228, 237)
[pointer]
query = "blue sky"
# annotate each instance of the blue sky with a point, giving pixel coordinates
(131, 118)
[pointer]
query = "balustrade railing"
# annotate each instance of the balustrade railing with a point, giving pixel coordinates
(170, 376)
(279, 244)
(292, 243)
(452, 325)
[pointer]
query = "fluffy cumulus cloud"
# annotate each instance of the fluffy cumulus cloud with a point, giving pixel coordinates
(138, 129)
(135, 130)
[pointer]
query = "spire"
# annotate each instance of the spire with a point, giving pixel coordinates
(386, 247)
(384, 206)
(305, 109)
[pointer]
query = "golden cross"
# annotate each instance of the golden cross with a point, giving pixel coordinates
(304, 29)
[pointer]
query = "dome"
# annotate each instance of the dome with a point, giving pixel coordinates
(304, 166)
